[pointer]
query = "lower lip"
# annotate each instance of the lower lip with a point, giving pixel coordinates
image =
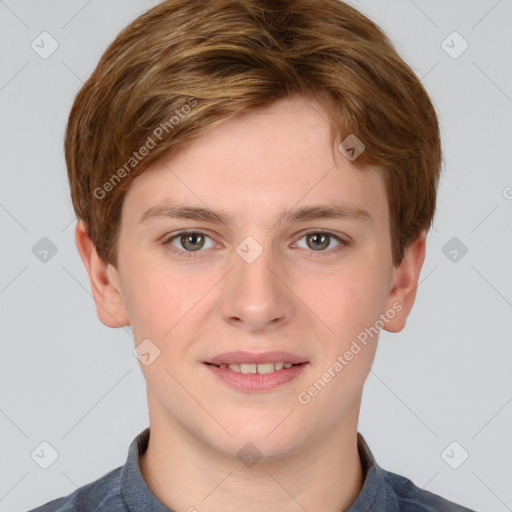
(257, 381)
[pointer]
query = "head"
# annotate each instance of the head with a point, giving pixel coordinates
(239, 108)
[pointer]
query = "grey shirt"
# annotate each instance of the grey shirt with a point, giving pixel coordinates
(124, 490)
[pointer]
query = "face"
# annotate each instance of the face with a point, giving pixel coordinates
(227, 247)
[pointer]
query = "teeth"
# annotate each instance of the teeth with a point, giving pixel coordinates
(248, 368)
(251, 368)
(265, 368)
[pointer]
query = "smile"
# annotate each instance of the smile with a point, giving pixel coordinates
(252, 368)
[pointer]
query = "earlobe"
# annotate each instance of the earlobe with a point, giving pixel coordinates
(405, 282)
(104, 281)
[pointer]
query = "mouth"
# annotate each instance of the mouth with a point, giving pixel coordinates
(251, 372)
(261, 368)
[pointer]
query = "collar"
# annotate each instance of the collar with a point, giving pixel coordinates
(137, 496)
(134, 490)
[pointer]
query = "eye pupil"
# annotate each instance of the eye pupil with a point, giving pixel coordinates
(321, 240)
(189, 241)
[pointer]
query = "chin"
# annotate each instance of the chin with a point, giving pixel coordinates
(267, 437)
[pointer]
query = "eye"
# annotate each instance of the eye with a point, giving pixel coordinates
(321, 240)
(188, 241)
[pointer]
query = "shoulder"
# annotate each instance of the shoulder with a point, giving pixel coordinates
(410, 498)
(102, 495)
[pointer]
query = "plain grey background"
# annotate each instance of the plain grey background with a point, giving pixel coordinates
(440, 391)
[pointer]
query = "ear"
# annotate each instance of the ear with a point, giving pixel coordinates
(104, 281)
(404, 284)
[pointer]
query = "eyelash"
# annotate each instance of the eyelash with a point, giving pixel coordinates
(191, 254)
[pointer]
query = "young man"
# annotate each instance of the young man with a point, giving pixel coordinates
(253, 181)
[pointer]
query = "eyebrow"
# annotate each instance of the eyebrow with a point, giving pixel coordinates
(306, 213)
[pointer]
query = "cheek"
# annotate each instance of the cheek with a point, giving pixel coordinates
(349, 303)
(168, 306)
(155, 301)
(350, 300)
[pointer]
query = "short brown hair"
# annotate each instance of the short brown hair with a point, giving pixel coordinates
(185, 66)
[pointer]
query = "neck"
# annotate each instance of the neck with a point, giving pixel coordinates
(187, 475)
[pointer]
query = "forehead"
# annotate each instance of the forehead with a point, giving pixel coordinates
(260, 164)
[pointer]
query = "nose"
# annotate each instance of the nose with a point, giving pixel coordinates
(255, 295)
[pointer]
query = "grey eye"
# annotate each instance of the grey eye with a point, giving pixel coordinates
(319, 241)
(191, 241)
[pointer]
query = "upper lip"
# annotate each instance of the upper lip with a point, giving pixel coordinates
(241, 356)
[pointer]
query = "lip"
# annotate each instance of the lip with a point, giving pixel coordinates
(253, 382)
(241, 356)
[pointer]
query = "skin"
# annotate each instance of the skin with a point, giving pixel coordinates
(294, 297)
